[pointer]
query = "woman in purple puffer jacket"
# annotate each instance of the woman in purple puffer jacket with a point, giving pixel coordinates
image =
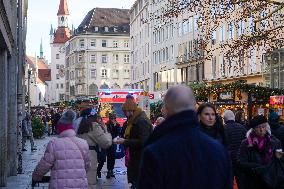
(67, 157)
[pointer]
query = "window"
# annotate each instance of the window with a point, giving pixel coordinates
(93, 73)
(231, 30)
(185, 27)
(126, 58)
(104, 58)
(62, 34)
(213, 38)
(180, 29)
(93, 58)
(104, 43)
(251, 24)
(57, 76)
(93, 43)
(116, 58)
(57, 66)
(222, 37)
(61, 85)
(264, 23)
(80, 58)
(172, 52)
(190, 24)
(126, 73)
(126, 44)
(106, 29)
(104, 73)
(57, 56)
(222, 65)
(96, 28)
(195, 23)
(241, 27)
(57, 86)
(214, 67)
(61, 96)
(115, 73)
(115, 44)
(82, 43)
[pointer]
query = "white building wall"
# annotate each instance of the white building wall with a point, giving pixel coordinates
(57, 82)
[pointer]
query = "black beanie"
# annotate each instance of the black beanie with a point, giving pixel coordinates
(257, 120)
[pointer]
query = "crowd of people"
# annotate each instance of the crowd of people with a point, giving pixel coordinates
(188, 147)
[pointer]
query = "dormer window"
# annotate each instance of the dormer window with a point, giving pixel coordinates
(106, 29)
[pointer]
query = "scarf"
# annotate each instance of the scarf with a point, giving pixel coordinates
(262, 144)
(63, 127)
(130, 121)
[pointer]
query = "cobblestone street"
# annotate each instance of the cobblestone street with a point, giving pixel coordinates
(30, 159)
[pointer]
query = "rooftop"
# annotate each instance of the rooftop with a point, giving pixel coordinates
(106, 20)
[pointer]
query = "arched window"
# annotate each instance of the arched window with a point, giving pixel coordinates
(93, 89)
(62, 19)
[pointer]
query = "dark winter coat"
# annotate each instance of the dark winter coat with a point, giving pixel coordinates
(235, 134)
(141, 130)
(179, 156)
(114, 130)
(278, 131)
(217, 132)
(251, 166)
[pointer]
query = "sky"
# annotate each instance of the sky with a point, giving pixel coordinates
(43, 13)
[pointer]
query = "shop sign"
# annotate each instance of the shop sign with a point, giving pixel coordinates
(151, 96)
(276, 100)
(226, 96)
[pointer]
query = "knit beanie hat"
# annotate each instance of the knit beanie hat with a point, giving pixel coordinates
(68, 117)
(273, 116)
(257, 120)
(88, 112)
(229, 115)
(129, 105)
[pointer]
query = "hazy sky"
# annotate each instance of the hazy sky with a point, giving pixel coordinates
(43, 13)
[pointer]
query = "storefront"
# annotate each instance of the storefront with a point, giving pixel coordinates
(277, 104)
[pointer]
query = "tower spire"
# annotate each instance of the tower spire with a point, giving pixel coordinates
(51, 30)
(41, 50)
(63, 8)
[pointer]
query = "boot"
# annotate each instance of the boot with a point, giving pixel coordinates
(99, 174)
(109, 174)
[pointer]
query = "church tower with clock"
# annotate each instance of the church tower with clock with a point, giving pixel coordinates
(58, 38)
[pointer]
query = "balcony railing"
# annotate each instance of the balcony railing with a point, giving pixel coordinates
(190, 57)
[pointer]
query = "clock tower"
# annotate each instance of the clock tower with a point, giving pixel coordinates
(58, 39)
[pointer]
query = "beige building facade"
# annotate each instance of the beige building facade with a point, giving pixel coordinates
(98, 57)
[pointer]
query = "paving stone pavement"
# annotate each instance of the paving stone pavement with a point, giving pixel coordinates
(30, 159)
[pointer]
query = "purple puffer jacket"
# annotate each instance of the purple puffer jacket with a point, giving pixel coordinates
(68, 159)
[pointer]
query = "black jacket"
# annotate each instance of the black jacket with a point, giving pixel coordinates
(278, 131)
(235, 134)
(141, 130)
(217, 132)
(179, 156)
(251, 166)
(114, 130)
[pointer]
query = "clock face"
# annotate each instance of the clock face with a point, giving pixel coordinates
(61, 72)
(62, 50)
